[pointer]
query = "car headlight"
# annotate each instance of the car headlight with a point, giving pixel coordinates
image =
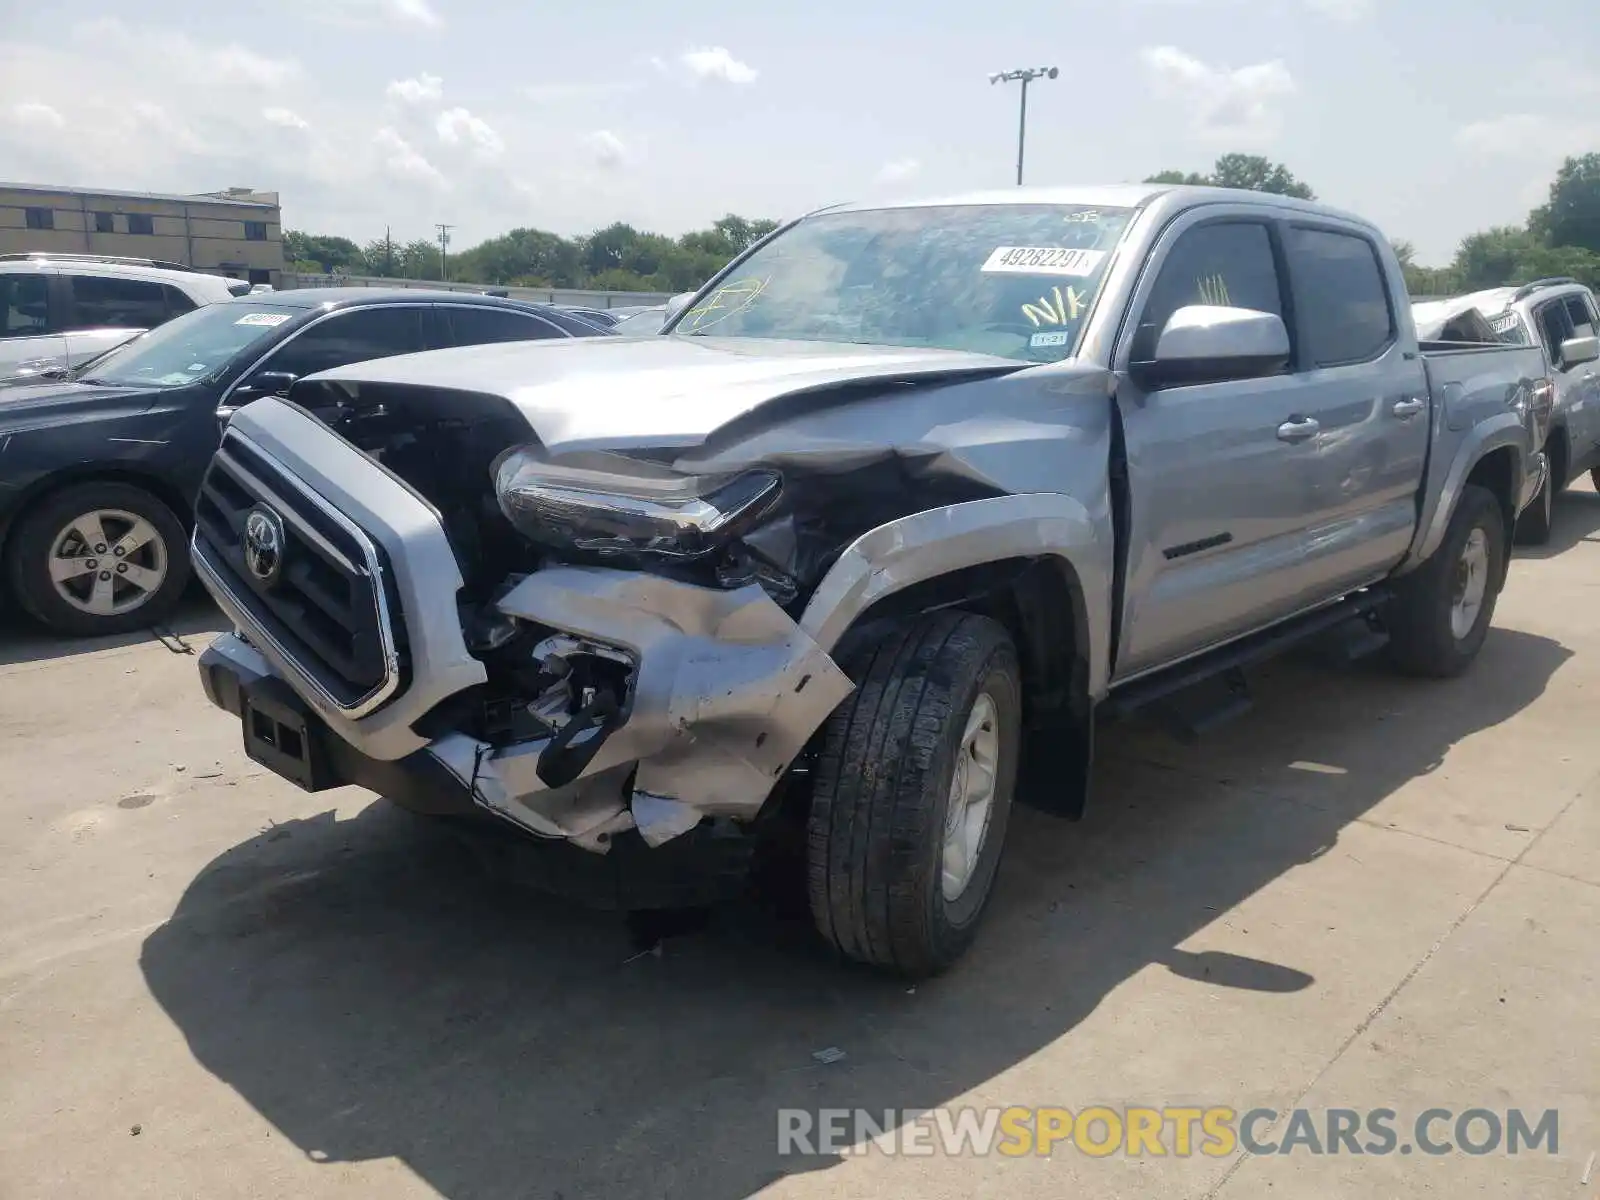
(630, 508)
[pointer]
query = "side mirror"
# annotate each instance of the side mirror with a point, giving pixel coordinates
(678, 303)
(1205, 343)
(265, 383)
(1579, 350)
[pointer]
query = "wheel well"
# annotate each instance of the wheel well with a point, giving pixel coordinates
(1040, 603)
(43, 489)
(1496, 471)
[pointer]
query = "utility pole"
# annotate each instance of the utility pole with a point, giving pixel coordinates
(1025, 76)
(444, 241)
(388, 255)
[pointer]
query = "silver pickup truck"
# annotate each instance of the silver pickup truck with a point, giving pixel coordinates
(863, 544)
(1558, 315)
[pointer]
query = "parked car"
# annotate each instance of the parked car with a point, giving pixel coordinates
(599, 317)
(863, 545)
(58, 311)
(98, 474)
(1561, 317)
(642, 322)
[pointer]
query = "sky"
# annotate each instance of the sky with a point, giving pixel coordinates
(1433, 119)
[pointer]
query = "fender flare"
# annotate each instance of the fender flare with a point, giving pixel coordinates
(1502, 431)
(927, 545)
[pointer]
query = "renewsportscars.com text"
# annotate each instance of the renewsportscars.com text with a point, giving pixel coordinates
(1180, 1132)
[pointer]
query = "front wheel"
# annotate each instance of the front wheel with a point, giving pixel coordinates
(1442, 610)
(99, 558)
(913, 791)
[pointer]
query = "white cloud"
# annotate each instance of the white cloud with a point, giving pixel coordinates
(1526, 136)
(30, 114)
(458, 127)
(1237, 106)
(285, 118)
(608, 150)
(402, 160)
(228, 65)
(556, 93)
(899, 170)
(424, 87)
(714, 62)
(414, 14)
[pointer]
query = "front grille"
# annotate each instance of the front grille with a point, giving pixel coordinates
(331, 607)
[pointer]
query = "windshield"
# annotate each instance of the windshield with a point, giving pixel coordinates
(1013, 280)
(190, 347)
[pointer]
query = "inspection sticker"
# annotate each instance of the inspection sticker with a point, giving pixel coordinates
(1057, 338)
(1043, 260)
(268, 319)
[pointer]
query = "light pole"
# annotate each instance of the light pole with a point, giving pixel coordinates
(444, 242)
(1024, 75)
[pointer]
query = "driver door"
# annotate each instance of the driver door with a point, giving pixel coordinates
(1221, 474)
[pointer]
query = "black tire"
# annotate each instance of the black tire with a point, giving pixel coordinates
(1421, 640)
(1533, 524)
(1594, 477)
(33, 544)
(875, 836)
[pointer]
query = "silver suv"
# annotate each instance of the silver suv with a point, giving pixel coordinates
(57, 311)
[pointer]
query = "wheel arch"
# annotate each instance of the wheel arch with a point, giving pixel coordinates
(41, 490)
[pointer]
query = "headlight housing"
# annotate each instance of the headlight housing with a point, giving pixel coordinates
(605, 504)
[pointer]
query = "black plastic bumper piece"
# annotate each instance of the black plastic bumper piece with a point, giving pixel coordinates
(709, 864)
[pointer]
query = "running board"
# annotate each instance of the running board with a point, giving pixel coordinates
(1230, 661)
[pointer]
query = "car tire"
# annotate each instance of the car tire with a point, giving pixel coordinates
(1441, 611)
(896, 879)
(1533, 523)
(53, 544)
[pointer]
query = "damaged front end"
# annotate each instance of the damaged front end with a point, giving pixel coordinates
(652, 704)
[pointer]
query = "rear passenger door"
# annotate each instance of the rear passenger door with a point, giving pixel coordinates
(476, 325)
(1368, 394)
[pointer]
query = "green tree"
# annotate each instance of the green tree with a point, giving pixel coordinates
(381, 256)
(1571, 216)
(1248, 172)
(321, 252)
(418, 259)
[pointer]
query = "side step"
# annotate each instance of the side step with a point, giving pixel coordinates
(1193, 709)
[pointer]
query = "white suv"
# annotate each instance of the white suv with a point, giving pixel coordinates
(57, 311)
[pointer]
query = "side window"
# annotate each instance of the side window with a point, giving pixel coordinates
(1579, 314)
(1229, 263)
(178, 301)
(99, 301)
(351, 337)
(1341, 301)
(476, 326)
(1555, 327)
(23, 306)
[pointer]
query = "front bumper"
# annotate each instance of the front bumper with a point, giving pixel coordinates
(709, 864)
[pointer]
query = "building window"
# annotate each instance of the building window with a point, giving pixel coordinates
(103, 223)
(140, 223)
(255, 231)
(41, 218)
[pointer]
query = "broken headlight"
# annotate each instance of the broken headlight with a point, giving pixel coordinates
(603, 504)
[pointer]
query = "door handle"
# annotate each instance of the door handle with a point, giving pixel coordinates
(1406, 409)
(1298, 429)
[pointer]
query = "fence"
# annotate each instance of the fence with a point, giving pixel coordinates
(576, 296)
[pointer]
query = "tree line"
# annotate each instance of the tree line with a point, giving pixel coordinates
(617, 258)
(1559, 237)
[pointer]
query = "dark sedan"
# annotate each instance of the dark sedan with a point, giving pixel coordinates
(97, 474)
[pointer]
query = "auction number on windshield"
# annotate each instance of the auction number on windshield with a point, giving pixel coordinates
(1043, 260)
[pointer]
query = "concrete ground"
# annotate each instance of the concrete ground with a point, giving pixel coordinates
(1370, 892)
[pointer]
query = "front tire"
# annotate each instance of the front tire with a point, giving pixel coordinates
(1441, 611)
(99, 558)
(913, 791)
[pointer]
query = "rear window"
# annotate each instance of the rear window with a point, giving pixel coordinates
(23, 305)
(1341, 301)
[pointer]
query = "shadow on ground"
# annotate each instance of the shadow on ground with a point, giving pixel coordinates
(373, 994)
(24, 641)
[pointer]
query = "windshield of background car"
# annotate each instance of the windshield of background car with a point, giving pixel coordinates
(1013, 280)
(190, 347)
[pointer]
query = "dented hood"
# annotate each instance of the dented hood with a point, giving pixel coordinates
(662, 391)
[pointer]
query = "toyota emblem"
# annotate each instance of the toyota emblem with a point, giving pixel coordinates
(263, 544)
